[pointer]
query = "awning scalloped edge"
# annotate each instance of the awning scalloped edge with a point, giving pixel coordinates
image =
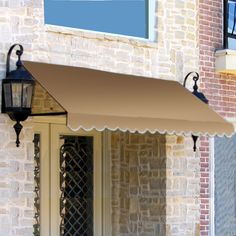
(168, 132)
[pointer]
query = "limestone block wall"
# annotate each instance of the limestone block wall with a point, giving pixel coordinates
(138, 184)
(16, 180)
(182, 187)
(171, 55)
(43, 102)
(155, 185)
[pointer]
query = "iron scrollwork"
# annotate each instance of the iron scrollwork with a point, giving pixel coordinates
(76, 186)
(36, 142)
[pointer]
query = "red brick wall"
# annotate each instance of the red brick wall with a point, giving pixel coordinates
(219, 89)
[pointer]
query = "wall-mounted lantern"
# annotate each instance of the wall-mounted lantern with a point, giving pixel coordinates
(17, 92)
(196, 93)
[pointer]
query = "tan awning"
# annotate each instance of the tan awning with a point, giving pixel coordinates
(98, 99)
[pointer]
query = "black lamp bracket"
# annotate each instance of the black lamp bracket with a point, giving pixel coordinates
(195, 79)
(19, 53)
(196, 93)
(17, 127)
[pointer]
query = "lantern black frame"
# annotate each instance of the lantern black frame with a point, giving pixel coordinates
(18, 76)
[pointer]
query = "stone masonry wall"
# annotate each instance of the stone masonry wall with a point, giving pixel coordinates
(155, 185)
(43, 102)
(219, 89)
(173, 53)
(182, 187)
(139, 184)
(16, 184)
(170, 56)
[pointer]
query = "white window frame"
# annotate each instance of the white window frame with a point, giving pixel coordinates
(151, 27)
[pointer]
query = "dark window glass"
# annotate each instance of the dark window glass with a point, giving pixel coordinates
(230, 24)
(110, 16)
(76, 185)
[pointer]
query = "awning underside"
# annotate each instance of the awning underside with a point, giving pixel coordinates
(98, 99)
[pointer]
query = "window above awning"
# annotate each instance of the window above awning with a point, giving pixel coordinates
(99, 99)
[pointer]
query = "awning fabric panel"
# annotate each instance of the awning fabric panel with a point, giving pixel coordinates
(98, 99)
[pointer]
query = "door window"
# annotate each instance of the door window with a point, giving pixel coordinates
(76, 185)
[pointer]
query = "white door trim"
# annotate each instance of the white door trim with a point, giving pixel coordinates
(50, 195)
(107, 184)
(43, 130)
(56, 131)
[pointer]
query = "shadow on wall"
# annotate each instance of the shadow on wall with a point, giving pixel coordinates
(138, 183)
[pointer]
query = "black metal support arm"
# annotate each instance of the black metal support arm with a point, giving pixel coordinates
(198, 95)
(19, 53)
(49, 114)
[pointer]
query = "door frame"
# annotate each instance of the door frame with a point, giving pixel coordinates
(102, 190)
(44, 190)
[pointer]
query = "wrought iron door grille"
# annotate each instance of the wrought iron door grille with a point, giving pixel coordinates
(36, 142)
(76, 185)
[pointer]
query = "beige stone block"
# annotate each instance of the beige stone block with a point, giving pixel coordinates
(3, 164)
(179, 20)
(191, 5)
(133, 206)
(190, 21)
(136, 138)
(29, 187)
(190, 36)
(179, 153)
(20, 175)
(169, 162)
(3, 211)
(4, 138)
(178, 147)
(133, 158)
(26, 222)
(115, 140)
(18, 202)
(26, 231)
(3, 185)
(14, 166)
(133, 178)
(124, 177)
(171, 139)
(180, 140)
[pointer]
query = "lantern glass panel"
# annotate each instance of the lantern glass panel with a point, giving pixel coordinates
(27, 95)
(16, 94)
(7, 94)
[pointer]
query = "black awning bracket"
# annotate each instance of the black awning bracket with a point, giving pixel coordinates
(199, 95)
(49, 114)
